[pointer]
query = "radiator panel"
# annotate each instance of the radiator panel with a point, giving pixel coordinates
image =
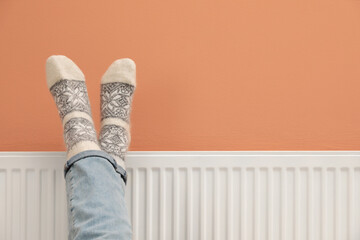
(198, 195)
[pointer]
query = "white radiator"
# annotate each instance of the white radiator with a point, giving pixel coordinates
(312, 195)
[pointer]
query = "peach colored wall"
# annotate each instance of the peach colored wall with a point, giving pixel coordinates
(212, 75)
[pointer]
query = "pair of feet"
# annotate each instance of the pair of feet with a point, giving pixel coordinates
(67, 85)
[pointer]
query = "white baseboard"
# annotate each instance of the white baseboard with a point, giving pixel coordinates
(198, 195)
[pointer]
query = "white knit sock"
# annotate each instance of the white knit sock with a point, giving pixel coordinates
(117, 89)
(67, 85)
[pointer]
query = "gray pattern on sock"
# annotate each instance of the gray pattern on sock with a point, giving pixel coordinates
(114, 140)
(70, 96)
(79, 129)
(116, 98)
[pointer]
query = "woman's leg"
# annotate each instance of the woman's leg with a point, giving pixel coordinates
(95, 189)
(95, 182)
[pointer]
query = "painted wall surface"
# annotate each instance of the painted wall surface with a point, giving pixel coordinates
(212, 75)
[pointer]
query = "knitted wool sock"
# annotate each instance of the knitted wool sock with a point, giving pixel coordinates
(67, 86)
(117, 88)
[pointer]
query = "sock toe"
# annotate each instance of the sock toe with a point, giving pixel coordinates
(122, 70)
(61, 67)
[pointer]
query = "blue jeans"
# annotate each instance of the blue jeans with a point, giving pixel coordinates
(95, 189)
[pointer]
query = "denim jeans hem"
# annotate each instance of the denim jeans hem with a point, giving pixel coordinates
(97, 153)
